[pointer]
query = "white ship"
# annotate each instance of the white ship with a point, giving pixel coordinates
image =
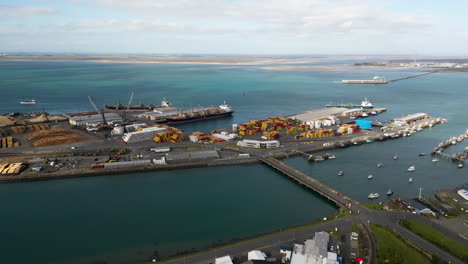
(373, 195)
(29, 101)
(367, 104)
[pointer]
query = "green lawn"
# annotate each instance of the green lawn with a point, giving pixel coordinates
(393, 250)
(373, 206)
(435, 237)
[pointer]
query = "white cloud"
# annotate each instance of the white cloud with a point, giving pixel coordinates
(18, 11)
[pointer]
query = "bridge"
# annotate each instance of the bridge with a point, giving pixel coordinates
(408, 77)
(302, 178)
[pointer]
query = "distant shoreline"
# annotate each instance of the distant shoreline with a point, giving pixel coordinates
(159, 60)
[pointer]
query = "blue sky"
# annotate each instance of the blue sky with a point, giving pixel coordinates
(413, 27)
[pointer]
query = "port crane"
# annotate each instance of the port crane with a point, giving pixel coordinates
(128, 106)
(101, 112)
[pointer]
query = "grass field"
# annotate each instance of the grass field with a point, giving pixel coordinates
(393, 250)
(435, 237)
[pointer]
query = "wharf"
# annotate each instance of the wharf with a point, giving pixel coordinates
(382, 81)
(452, 141)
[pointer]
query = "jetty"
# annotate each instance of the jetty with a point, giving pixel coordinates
(380, 80)
(339, 199)
(439, 149)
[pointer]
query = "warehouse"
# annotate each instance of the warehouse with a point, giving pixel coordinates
(175, 157)
(319, 114)
(246, 143)
(406, 120)
(147, 133)
(94, 120)
(352, 112)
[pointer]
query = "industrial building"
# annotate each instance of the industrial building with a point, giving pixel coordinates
(314, 251)
(224, 260)
(246, 143)
(406, 120)
(175, 157)
(94, 120)
(147, 133)
(463, 193)
(318, 114)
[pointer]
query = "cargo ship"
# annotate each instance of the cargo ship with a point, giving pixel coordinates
(141, 106)
(364, 104)
(195, 115)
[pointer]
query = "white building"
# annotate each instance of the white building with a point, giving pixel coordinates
(256, 255)
(94, 120)
(247, 143)
(146, 133)
(223, 260)
(314, 251)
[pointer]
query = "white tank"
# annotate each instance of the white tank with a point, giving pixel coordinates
(234, 127)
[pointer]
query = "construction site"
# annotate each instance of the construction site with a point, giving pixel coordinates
(121, 140)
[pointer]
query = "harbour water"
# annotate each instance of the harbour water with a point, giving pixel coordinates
(125, 218)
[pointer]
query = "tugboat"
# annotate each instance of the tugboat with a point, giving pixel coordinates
(389, 192)
(29, 101)
(412, 168)
(373, 195)
(340, 173)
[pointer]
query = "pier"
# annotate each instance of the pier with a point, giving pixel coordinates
(461, 157)
(409, 77)
(302, 178)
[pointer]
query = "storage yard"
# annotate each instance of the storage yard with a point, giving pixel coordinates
(85, 145)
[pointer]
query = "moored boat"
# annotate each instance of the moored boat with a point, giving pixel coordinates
(379, 165)
(411, 168)
(395, 157)
(370, 177)
(460, 165)
(389, 192)
(340, 173)
(29, 101)
(223, 110)
(373, 195)
(410, 180)
(435, 160)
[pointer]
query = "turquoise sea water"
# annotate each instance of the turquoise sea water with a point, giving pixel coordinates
(125, 218)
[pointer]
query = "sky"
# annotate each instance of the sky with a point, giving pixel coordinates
(257, 27)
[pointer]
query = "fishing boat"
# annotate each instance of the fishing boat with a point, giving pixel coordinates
(411, 168)
(373, 195)
(410, 180)
(395, 157)
(319, 158)
(370, 177)
(340, 173)
(389, 192)
(28, 102)
(435, 160)
(379, 165)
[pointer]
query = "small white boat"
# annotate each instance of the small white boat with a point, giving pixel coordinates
(340, 173)
(410, 180)
(395, 157)
(364, 115)
(370, 177)
(373, 113)
(331, 156)
(29, 101)
(319, 158)
(379, 165)
(412, 168)
(460, 165)
(435, 160)
(373, 195)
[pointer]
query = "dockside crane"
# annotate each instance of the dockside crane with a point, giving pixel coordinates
(128, 106)
(101, 112)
